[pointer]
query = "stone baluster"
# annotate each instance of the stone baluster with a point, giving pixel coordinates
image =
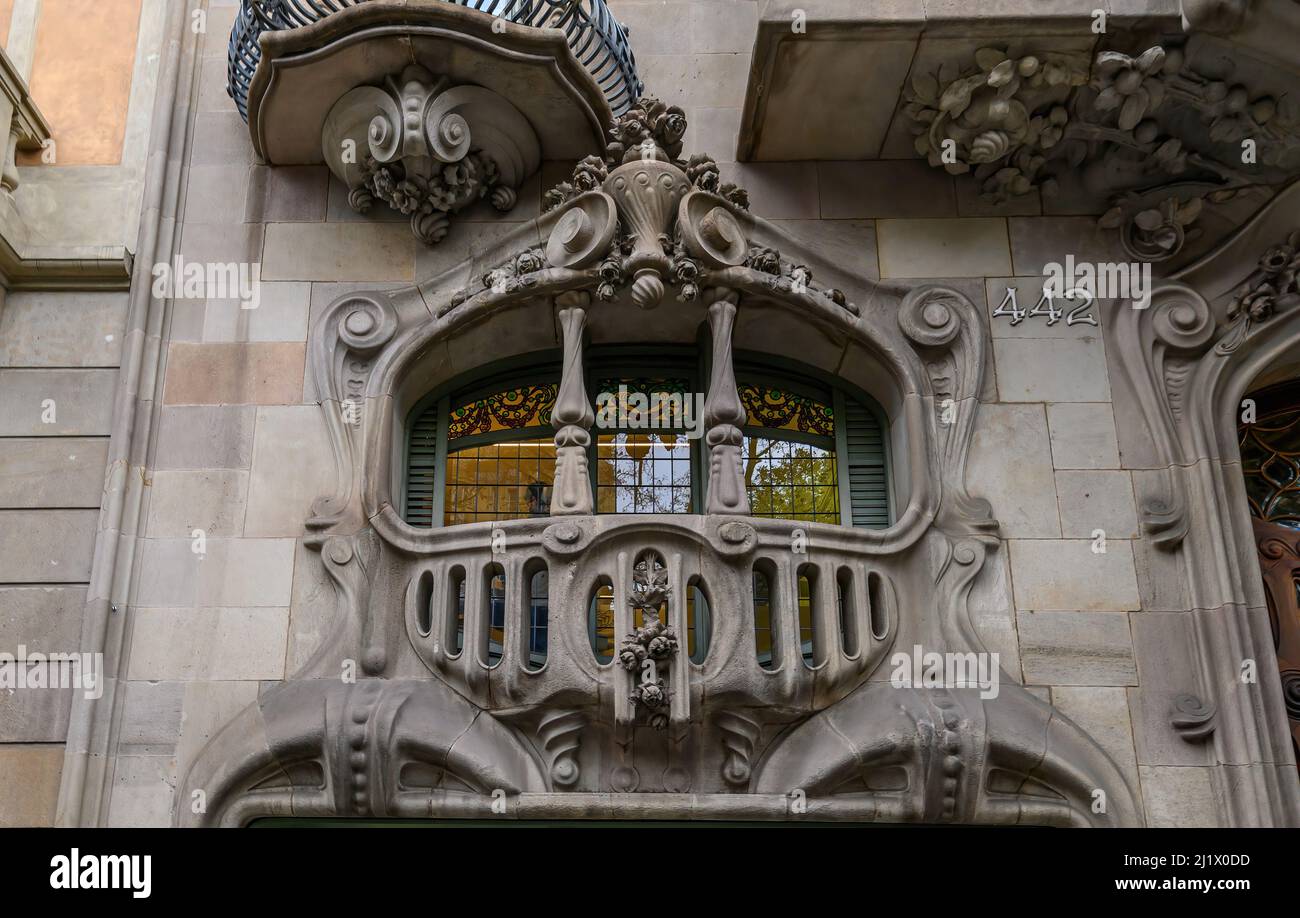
(573, 415)
(724, 415)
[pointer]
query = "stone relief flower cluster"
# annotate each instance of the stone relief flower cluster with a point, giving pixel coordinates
(1020, 121)
(428, 200)
(1272, 286)
(998, 122)
(648, 130)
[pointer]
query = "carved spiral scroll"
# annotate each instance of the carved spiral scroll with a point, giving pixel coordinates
(929, 317)
(365, 325)
(584, 231)
(366, 118)
(1182, 319)
(1193, 719)
(710, 231)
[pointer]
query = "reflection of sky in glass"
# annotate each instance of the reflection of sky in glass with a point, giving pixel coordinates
(643, 473)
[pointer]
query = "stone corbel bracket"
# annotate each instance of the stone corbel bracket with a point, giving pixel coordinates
(428, 149)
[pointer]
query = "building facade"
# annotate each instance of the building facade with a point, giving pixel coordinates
(650, 409)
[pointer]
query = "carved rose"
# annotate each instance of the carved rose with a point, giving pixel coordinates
(630, 657)
(1272, 286)
(670, 128)
(529, 261)
(735, 194)
(383, 183)
(611, 271)
(703, 173)
(590, 173)
(989, 145)
(665, 645)
(558, 195)
(768, 261)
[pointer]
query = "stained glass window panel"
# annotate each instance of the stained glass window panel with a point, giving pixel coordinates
(510, 409)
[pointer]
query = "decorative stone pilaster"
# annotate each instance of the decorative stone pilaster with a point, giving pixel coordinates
(723, 413)
(572, 417)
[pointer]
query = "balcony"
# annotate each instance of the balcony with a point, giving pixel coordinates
(647, 564)
(596, 39)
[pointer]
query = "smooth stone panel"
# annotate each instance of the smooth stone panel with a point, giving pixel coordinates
(1076, 648)
(972, 247)
(30, 789)
(209, 643)
(261, 373)
(1178, 797)
(1083, 435)
(778, 191)
(74, 402)
(1067, 575)
(379, 252)
(1091, 500)
(62, 329)
(1102, 712)
(42, 617)
(197, 437)
(1051, 370)
(280, 493)
(1010, 464)
(288, 194)
(143, 786)
(52, 472)
(1039, 241)
(46, 546)
(280, 315)
(884, 188)
(212, 501)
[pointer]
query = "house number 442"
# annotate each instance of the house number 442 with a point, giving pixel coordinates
(1046, 308)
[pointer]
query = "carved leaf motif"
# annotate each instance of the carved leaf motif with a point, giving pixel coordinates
(926, 87)
(988, 58)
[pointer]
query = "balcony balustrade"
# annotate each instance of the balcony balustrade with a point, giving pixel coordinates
(598, 41)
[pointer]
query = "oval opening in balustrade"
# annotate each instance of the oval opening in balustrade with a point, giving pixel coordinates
(454, 638)
(698, 623)
(765, 635)
(600, 621)
(847, 611)
(424, 603)
(537, 614)
(877, 598)
(494, 613)
(809, 639)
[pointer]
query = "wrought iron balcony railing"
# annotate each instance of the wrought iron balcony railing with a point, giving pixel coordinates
(596, 38)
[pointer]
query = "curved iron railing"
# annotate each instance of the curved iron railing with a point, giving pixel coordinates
(597, 39)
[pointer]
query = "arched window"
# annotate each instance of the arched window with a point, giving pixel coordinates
(814, 448)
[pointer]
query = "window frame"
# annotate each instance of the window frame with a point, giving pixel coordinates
(690, 362)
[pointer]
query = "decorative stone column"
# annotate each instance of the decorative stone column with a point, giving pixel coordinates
(573, 416)
(723, 413)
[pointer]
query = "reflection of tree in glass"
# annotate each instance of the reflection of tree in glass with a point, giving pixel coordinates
(644, 473)
(790, 480)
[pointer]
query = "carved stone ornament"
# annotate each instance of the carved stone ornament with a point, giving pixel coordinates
(428, 149)
(455, 704)
(1157, 137)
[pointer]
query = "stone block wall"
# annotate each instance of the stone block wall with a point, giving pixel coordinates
(241, 451)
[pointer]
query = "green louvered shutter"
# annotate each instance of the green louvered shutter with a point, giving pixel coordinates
(422, 468)
(867, 475)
